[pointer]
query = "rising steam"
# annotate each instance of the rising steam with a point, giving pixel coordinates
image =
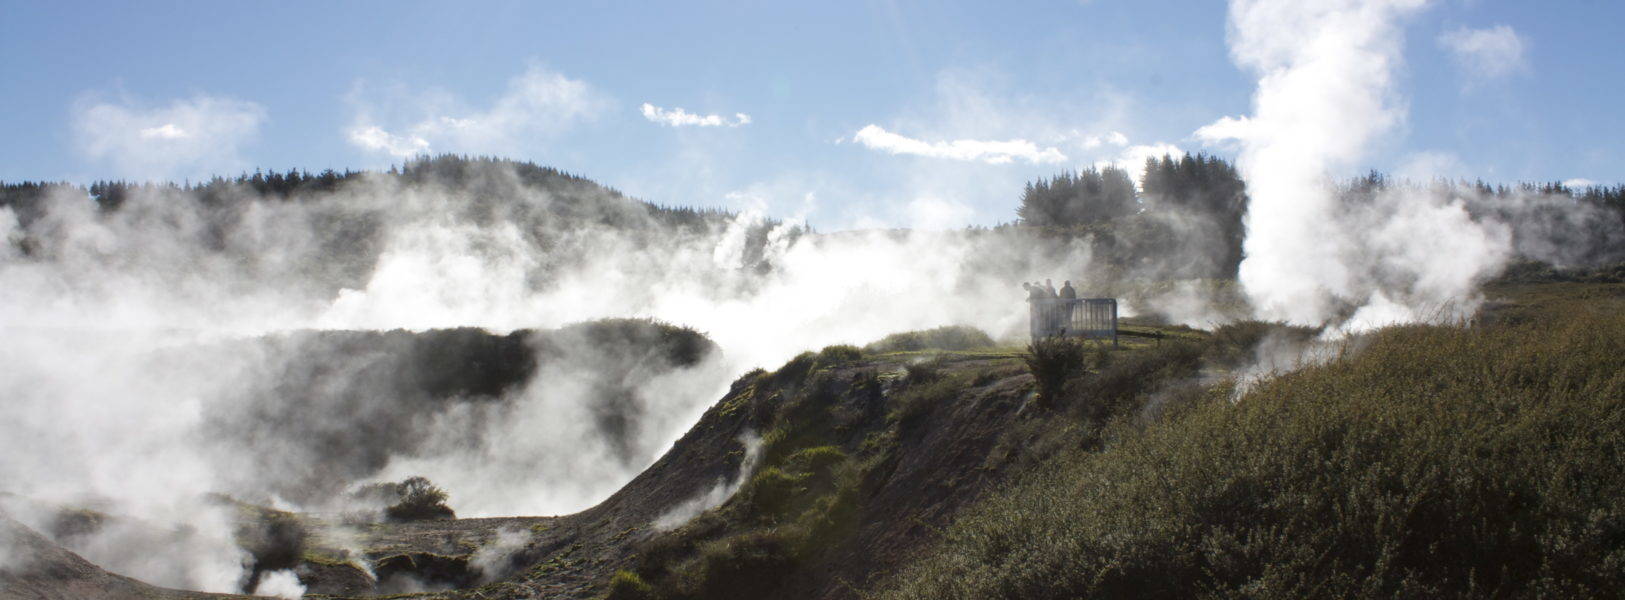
(154, 356)
(178, 345)
(1326, 96)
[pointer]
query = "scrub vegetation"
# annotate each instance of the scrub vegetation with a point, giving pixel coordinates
(1434, 461)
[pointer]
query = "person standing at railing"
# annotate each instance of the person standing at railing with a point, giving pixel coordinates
(1068, 305)
(1036, 309)
(1034, 292)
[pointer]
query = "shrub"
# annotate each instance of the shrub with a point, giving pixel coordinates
(1232, 344)
(1119, 380)
(748, 566)
(838, 354)
(771, 491)
(626, 585)
(817, 460)
(795, 370)
(924, 371)
(1053, 361)
(419, 500)
(951, 337)
(1436, 462)
(920, 399)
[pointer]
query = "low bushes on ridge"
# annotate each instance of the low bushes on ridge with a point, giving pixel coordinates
(950, 337)
(1436, 462)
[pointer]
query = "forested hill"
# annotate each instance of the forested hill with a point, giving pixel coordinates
(302, 237)
(477, 178)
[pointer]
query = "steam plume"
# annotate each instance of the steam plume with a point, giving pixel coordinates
(1326, 95)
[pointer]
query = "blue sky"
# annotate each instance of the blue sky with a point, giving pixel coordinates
(854, 108)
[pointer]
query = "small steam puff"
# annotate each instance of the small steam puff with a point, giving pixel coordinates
(494, 559)
(1282, 352)
(281, 584)
(717, 494)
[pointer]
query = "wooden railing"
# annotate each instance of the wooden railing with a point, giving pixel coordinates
(1088, 318)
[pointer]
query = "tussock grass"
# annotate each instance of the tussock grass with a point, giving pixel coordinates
(1435, 462)
(924, 371)
(1232, 344)
(919, 399)
(627, 585)
(951, 337)
(839, 354)
(1054, 361)
(1119, 379)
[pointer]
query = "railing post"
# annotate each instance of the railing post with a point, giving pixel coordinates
(1114, 322)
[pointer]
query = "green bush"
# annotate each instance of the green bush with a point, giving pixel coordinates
(749, 566)
(771, 491)
(924, 371)
(951, 337)
(419, 500)
(796, 369)
(816, 460)
(1232, 344)
(1118, 381)
(1436, 462)
(626, 585)
(836, 355)
(1054, 361)
(920, 399)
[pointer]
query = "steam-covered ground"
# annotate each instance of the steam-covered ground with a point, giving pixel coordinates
(179, 344)
(267, 341)
(169, 343)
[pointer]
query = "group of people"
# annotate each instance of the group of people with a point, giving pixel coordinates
(1047, 290)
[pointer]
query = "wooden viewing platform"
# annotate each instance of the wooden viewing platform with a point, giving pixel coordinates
(1087, 318)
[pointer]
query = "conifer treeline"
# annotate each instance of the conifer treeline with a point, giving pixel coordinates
(1193, 206)
(1078, 198)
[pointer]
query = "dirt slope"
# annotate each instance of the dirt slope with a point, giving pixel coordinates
(35, 568)
(919, 464)
(905, 446)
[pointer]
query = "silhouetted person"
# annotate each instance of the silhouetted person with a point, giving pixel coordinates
(1068, 292)
(1049, 289)
(1033, 291)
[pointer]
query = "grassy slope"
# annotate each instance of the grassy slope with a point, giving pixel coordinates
(862, 457)
(1436, 461)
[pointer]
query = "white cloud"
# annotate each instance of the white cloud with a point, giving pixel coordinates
(376, 139)
(933, 213)
(678, 117)
(1091, 142)
(192, 137)
(1578, 182)
(168, 132)
(1132, 158)
(1486, 54)
(1224, 130)
(538, 104)
(988, 151)
(1431, 164)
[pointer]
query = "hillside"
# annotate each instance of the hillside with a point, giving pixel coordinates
(311, 235)
(32, 566)
(1446, 461)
